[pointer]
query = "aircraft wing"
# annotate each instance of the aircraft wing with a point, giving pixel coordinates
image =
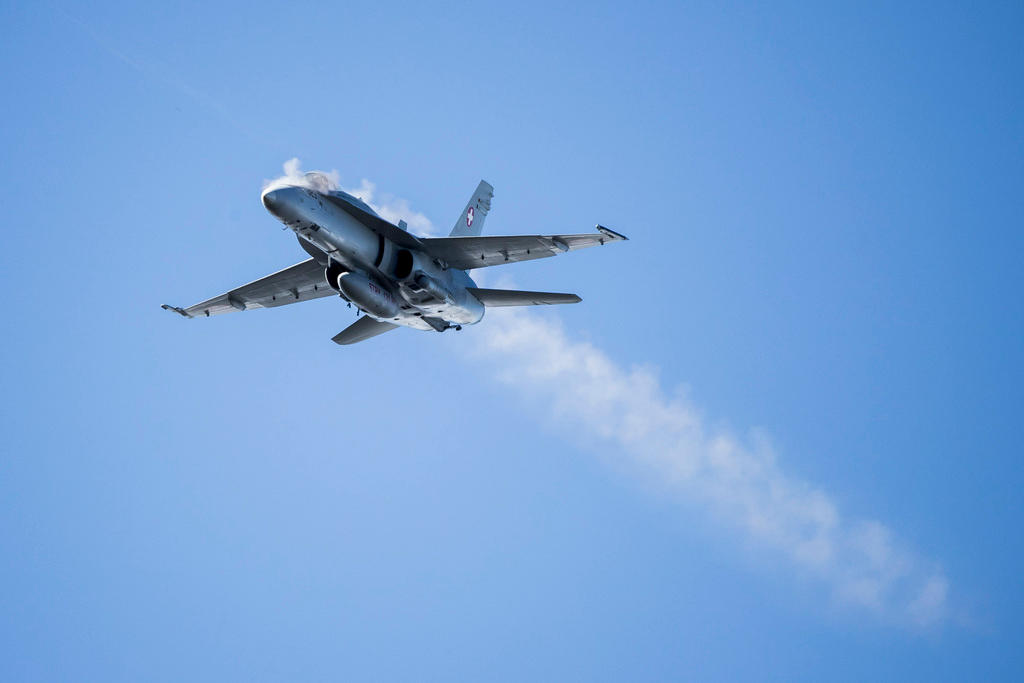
(465, 253)
(301, 282)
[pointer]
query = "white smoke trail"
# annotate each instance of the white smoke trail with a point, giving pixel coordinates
(740, 484)
(389, 208)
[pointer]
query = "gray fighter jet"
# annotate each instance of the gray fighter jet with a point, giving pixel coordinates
(389, 274)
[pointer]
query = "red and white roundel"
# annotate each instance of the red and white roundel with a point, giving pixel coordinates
(469, 216)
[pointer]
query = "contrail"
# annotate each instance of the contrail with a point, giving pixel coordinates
(156, 72)
(740, 485)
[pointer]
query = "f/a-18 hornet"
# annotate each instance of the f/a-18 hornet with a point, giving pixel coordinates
(391, 275)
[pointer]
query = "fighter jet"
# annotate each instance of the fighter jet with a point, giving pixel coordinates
(392, 276)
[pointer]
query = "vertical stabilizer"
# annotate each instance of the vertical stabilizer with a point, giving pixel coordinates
(471, 222)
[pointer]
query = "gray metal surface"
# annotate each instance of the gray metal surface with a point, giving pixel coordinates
(361, 330)
(301, 282)
(466, 253)
(514, 297)
(394, 277)
(376, 223)
(471, 220)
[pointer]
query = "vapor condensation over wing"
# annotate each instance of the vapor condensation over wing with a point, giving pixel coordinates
(388, 207)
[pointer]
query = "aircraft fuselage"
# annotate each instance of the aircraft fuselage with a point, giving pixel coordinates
(390, 282)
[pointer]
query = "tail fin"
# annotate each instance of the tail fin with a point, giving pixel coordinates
(471, 222)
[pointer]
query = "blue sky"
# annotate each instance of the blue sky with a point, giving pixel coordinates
(823, 274)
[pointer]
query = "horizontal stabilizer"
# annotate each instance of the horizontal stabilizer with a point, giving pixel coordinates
(515, 297)
(361, 330)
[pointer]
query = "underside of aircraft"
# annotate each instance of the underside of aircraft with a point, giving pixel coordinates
(392, 277)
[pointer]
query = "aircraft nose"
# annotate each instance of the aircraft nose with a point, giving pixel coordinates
(272, 199)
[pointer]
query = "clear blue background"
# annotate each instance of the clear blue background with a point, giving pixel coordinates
(825, 212)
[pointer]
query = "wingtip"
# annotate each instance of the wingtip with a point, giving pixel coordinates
(611, 234)
(175, 309)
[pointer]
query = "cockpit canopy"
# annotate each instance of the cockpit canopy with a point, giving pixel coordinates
(323, 183)
(318, 181)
